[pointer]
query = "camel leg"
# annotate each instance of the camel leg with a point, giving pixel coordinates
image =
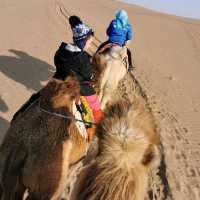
(11, 174)
(47, 195)
(1, 192)
(20, 190)
(32, 197)
(56, 174)
(9, 185)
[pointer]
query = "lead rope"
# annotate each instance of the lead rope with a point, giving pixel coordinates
(66, 14)
(65, 116)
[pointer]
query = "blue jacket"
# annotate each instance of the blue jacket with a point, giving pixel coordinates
(119, 35)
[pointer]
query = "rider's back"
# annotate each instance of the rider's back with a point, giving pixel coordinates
(69, 58)
(119, 34)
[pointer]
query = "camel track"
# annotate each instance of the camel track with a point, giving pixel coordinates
(181, 153)
(158, 187)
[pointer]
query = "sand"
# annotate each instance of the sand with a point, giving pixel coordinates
(167, 58)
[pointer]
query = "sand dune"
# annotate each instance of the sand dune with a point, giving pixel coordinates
(166, 54)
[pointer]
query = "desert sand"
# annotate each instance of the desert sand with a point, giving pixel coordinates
(166, 55)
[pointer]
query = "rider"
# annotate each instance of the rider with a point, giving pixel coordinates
(74, 58)
(119, 32)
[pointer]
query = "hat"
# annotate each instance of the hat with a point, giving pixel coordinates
(122, 17)
(74, 21)
(79, 29)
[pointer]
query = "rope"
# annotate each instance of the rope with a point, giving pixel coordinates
(65, 116)
(67, 14)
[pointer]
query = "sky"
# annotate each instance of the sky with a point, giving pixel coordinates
(185, 8)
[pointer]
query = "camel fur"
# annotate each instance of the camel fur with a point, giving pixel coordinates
(128, 150)
(109, 68)
(38, 148)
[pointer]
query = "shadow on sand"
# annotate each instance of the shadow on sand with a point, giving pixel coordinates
(25, 69)
(3, 123)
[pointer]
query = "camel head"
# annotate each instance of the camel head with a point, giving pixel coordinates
(129, 129)
(60, 94)
(109, 69)
(128, 150)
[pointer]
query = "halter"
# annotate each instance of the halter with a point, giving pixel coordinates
(65, 116)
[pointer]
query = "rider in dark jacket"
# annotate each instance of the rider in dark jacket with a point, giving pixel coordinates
(70, 58)
(73, 58)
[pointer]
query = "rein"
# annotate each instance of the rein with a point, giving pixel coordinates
(65, 116)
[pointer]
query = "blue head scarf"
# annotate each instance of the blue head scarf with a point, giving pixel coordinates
(121, 18)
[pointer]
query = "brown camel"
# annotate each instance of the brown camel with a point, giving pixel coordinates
(128, 150)
(110, 66)
(41, 144)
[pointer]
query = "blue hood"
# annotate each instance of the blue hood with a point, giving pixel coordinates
(121, 18)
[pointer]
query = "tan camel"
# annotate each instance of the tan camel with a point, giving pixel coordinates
(110, 66)
(41, 144)
(128, 150)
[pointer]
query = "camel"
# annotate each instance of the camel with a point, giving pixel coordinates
(128, 150)
(110, 66)
(41, 144)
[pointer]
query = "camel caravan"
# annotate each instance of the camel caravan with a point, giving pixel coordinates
(52, 133)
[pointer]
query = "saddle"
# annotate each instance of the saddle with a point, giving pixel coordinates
(86, 112)
(112, 50)
(85, 124)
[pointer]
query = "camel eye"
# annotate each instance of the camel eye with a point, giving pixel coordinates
(148, 158)
(68, 86)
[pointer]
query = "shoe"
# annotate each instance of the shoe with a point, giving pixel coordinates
(131, 68)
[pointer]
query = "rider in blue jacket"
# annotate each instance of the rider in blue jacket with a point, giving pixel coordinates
(119, 32)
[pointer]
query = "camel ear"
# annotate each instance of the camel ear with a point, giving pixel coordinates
(151, 157)
(72, 82)
(72, 85)
(49, 88)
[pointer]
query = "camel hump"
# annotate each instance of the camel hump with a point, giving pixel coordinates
(126, 137)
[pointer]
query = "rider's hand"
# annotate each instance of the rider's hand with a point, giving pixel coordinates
(128, 43)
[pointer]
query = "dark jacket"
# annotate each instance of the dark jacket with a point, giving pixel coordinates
(69, 58)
